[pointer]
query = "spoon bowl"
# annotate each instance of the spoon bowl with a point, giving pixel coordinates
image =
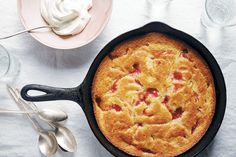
(52, 115)
(65, 138)
(47, 143)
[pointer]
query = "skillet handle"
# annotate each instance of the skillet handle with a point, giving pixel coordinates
(51, 93)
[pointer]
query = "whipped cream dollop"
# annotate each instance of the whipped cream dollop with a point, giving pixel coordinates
(68, 17)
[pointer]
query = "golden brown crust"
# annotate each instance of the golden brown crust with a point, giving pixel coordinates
(153, 96)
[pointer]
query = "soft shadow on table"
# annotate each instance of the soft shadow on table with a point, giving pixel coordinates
(220, 42)
(157, 10)
(208, 151)
(91, 142)
(217, 39)
(62, 153)
(211, 36)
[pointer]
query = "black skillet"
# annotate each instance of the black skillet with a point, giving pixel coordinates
(82, 93)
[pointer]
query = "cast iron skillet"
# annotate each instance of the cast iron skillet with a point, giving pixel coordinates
(82, 93)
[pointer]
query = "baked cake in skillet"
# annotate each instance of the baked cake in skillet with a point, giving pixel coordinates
(153, 96)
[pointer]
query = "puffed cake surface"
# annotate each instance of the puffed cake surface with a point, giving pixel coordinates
(153, 96)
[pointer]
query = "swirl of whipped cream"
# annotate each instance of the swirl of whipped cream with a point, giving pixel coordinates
(69, 17)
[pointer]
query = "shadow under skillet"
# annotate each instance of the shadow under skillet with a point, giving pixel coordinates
(208, 151)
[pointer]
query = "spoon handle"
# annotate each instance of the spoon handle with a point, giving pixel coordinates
(31, 105)
(24, 31)
(17, 112)
(23, 107)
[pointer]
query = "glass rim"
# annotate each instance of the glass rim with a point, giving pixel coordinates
(2, 48)
(215, 23)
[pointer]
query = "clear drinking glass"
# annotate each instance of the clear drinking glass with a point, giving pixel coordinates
(219, 13)
(9, 66)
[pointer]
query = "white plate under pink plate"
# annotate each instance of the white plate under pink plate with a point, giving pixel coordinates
(29, 11)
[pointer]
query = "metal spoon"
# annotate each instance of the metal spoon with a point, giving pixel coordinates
(26, 30)
(64, 136)
(44, 114)
(47, 143)
(50, 115)
(47, 140)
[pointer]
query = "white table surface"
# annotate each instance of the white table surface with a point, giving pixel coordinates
(67, 68)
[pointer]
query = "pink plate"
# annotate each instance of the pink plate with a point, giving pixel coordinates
(29, 11)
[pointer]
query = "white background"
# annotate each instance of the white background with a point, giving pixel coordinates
(43, 65)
